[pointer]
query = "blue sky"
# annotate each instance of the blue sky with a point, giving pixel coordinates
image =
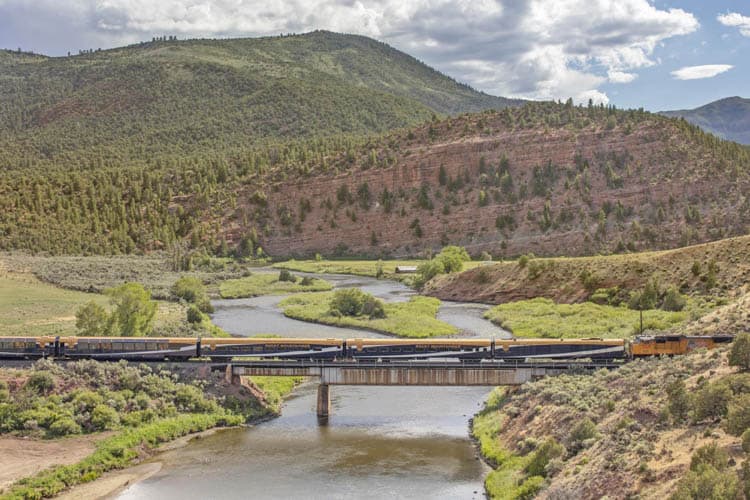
(712, 43)
(656, 54)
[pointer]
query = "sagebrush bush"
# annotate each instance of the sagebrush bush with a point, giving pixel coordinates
(41, 382)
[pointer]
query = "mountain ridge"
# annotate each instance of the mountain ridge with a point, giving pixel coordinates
(728, 118)
(184, 97)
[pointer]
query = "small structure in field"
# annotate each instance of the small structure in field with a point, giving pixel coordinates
(406, 269)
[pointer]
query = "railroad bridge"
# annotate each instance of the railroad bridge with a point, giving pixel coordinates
(407, 373)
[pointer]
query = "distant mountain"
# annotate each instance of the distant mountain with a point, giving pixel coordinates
(727, 118)
(212, 96)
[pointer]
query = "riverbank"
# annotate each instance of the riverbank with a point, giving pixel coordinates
(116, 481)
(85, 419)
(415, 318)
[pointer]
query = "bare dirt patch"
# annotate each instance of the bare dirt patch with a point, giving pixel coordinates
(26, 457)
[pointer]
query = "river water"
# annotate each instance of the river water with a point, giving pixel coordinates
(380, 442)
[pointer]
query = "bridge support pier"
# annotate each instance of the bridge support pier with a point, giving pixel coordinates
(324, 402)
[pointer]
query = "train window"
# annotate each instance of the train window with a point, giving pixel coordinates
(117, 346)
(396, 349)
(106, 346)
(128, 346)
(140, 346)
(151, 346)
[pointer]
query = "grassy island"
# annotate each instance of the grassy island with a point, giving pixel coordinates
(412, 319)
(270, 284)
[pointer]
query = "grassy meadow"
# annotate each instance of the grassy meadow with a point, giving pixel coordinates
(30, 307)
(268, 284)
(544, 318)
(412, 319)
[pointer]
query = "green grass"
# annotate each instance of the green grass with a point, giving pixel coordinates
(413, 319)
(502, 482)
(115, 452)
(30, 307)
(355, 267)
(276, 388)
(267, 284)
(367, 268)
(544, 318)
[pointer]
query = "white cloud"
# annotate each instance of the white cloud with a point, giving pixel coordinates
(540, 49)
(621, 77)
(735, 20)
(698, 72)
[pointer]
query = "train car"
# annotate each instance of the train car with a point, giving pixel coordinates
(26, 347)
(595, 349)
(130, 348)
(402, 349)
(271, 348)
(670, 345)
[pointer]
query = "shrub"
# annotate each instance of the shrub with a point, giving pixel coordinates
(4, 392)
(746, 441)
(104, 418)
(707, 483)
(738, 415)
(547, 451)
(285, 275)
(188, 288)
(348, 301)
(530, 487)
(307, 281)
(92, 320)
(483, 277)
(711, 401)
(522, 261)
(740, 353)
(194, 315)
(696, 268)
(191, 289)
(190, 399)
(678, 400)
(64, 426)
(453, 258)
(711, 455)
(673, 300)
(85, 401)
(373, 308)
(41, 382)
(428, 270)
(581, 433)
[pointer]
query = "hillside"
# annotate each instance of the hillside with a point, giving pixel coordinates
(546, 178)
(662, 428)
(722, 267)
(727, 118)
(198, 97)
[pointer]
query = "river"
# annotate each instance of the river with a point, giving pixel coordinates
(380, 442)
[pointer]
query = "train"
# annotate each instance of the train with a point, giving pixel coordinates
(362, 350)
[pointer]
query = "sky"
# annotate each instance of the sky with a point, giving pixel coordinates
(655, 54)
